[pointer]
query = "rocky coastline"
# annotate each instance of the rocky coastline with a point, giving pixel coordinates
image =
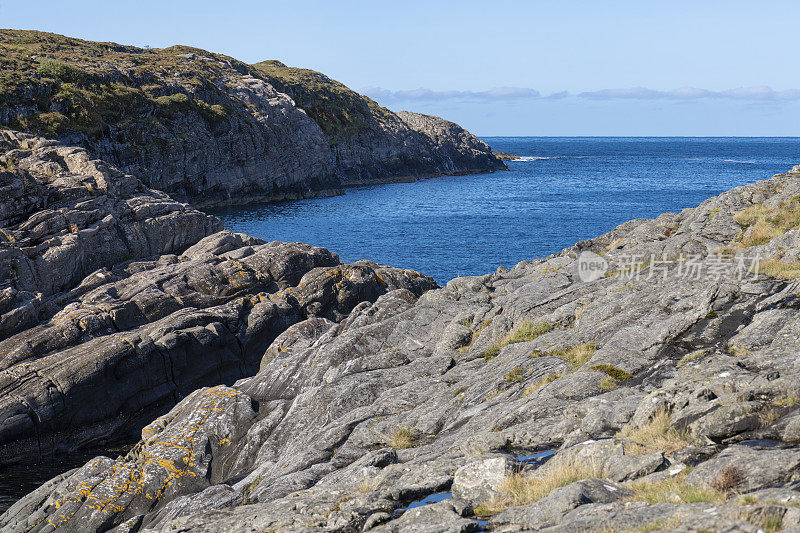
(644, 380)
(211, 130)
(502, 156)
(311, 395)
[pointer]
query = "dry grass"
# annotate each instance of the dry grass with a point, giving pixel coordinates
(659, 525)
(728, 480)
(778, 269)
(768, 416)
(521, 489)
(727, 251)
(674, 490)
(527, 331)
(694, 356)
(748, 216)
(403, 438)
(515, 375)
(787, 401)
(764, 224)
(474, 338)
(607, 383)
(761, 233)
(530, 389)
(765, 522)
(657, 435)
(577, 356)
(737, 351)
(367, 485)
(612, 371)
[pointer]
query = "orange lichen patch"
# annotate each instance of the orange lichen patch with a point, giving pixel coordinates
(167, 459)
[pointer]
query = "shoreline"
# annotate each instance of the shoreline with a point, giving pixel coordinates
(279, 198)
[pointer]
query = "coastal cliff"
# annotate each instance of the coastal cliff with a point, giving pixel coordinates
(310, 395)
(212, 130)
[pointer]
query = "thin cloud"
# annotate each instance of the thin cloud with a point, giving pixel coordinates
(753, 94)
(499, 93)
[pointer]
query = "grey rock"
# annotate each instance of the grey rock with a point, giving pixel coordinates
(481, 479)
(549, 510)
(605, 455)
(746, 468)
(442, 517)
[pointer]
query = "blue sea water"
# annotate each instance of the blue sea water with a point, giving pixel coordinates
(565, 190)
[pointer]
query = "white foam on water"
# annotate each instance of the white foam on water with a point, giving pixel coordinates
(542, 158)
(743, 162)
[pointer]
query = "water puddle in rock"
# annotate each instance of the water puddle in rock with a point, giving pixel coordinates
(763, 444)
(482, 524)
(18, 480)
(427, 500)
(536, 458)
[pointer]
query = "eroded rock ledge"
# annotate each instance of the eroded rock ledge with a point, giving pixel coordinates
(664, 401)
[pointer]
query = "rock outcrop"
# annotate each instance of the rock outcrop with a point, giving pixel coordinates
(683, 355)
(212, 130)
(118, 301)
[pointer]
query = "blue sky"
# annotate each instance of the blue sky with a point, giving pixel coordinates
(499, 68)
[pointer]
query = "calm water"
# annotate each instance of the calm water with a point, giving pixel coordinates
(567, 190)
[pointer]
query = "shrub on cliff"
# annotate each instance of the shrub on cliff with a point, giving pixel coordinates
(59, 70)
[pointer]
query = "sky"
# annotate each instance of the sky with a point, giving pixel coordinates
(676, 67)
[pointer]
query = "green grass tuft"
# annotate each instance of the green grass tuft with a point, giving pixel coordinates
(612, 372)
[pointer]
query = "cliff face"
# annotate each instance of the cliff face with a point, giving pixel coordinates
(213, 130)
(369, 142)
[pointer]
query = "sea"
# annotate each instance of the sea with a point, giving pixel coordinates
(561, 190)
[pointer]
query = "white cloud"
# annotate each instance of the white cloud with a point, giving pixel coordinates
(498, 93)
(760, 94)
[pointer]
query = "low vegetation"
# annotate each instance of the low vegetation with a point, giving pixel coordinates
(577, 356)
(476, 333)
(522, 489)
(607, 383)
(763, 224)
(747, 217)
(613, 376)
(787, 401)
(657, 435)
(691, 357)
(61, 71)
(88, 87)
(339, 111)
(367, 485)
(775, 268)
(527, 331)
(515, 375)
(674, 490)
(403, 438)
(530, 389)
(736, 350)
